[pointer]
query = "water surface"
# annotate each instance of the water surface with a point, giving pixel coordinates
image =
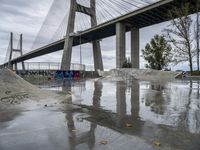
(127, 115)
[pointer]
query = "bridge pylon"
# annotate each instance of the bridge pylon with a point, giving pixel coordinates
(67, 53)
(18, 50)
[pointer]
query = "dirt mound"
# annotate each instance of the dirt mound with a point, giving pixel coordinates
(139, 74)
(14, 90)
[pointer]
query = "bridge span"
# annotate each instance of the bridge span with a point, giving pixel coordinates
(143, 17)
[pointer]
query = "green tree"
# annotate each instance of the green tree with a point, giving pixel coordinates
(157, 53)
(127, 63)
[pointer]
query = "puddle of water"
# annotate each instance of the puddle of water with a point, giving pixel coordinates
(168, 111)
(175, 104)
(127, 115)
(43, 129)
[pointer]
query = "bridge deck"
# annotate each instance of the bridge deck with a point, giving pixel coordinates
(147, 16)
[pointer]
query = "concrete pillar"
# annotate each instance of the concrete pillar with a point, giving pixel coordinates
(135, 48)
(120, 44)
(98, 63)
(10, 65)
(16, 67)
(21, 47)
(67, 53)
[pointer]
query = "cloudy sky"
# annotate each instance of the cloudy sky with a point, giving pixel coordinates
(27, 17)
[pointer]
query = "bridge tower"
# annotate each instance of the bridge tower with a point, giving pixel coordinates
(67, 53)
(121, 45)
(12, 49)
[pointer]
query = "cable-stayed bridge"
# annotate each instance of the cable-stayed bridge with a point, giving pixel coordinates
(93, 20)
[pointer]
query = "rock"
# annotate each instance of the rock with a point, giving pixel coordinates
(104, 142)
(128, 125)
(157, 143)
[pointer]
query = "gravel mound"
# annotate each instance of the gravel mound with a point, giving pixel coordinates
(139, 74)
(14, 89)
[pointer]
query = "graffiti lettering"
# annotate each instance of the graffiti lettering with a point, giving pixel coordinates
(14, 98)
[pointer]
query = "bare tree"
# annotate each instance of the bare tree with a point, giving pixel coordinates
(179, 34)
(197, 32)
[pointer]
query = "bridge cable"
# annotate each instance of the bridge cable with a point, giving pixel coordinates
(8, 52)
(113, 6)
(102, 14)
(121, 6)
(107, 9)
(138, 2)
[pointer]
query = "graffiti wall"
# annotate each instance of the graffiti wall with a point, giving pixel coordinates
(67, 74)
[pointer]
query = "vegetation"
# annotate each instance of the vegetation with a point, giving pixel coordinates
(181, 35)
(127, 63)
(157, 53)
(196, 73)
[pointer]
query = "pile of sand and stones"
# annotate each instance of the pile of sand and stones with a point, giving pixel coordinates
(138, 74)
(15, 90)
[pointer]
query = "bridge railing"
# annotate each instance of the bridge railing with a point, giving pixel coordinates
(49, 66)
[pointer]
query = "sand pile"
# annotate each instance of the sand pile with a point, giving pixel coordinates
(14, 90)
(139, 74)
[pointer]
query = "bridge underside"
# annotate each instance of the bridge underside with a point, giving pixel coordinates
(147, 16)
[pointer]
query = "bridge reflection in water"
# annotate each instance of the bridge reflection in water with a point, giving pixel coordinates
(165, 111)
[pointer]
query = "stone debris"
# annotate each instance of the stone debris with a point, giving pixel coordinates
(157, 143)
(128, 125)
(138, 74)
(104, 142)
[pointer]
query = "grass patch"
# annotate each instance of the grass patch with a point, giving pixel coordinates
(196, 73)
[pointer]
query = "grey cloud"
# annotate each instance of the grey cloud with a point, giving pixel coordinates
(105, 57)
(21, 16)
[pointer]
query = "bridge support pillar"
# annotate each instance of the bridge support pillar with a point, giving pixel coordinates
(135, 48)
(10, 65)
(21, 49)
(120, 44)
(67, 53)
(16, 66)
(12, 50)
(98, 63)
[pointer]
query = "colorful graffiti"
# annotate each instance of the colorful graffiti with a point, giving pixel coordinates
(67, 74)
